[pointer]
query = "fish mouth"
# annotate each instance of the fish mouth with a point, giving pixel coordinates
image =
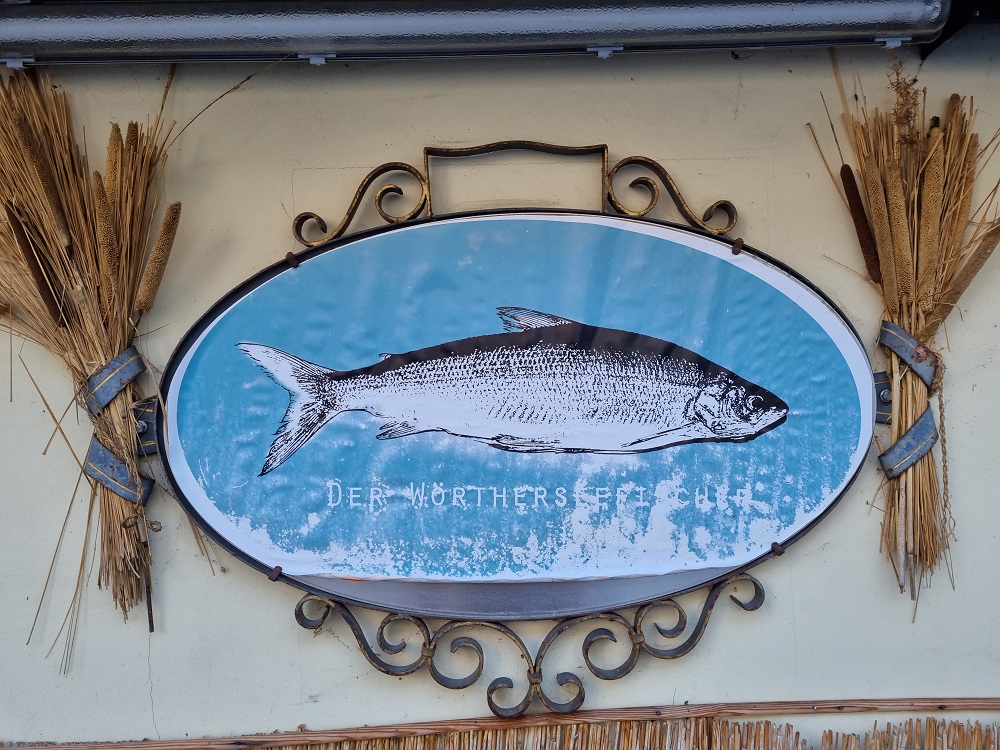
(734, 411)
(773, 417)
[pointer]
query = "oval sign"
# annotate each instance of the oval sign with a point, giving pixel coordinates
(516, 415)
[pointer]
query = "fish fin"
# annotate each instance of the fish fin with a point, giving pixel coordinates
(523, 319)
(310, 403)
(522, 445)
(392, 430)
(689, 431)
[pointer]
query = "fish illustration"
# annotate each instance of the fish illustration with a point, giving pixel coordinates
(547, 385)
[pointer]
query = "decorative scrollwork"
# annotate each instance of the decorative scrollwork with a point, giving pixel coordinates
(609, 198)
(298, 224)
(651, 187)
(636, 628)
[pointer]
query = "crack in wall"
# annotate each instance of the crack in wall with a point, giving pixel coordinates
(149, 672)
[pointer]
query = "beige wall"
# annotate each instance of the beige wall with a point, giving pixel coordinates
(227, 656)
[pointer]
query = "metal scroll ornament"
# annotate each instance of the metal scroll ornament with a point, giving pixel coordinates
(312, 612)
(609, 199)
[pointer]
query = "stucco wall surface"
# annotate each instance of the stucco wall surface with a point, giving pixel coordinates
(227, 656)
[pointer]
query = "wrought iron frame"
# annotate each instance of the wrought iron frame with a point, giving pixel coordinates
(451, 633)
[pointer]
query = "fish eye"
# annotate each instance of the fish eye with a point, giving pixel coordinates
(748, 407)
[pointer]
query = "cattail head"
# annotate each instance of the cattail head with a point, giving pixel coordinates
(132, 138)
(861, 226)
(931, 199)
(113, 163)
(152, 275)
(109, 252)
(953, 117)
(900, 230)
(950, 296)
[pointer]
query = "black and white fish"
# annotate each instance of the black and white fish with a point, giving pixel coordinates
(547, 385)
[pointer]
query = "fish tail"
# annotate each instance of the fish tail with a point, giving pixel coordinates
(312, 403)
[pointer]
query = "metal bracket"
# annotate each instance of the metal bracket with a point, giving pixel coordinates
(144, 413)
(893, 42)
(108, 382)
(105, 467)
(320, 58)
(603, 53)
(430, 643)
(911, 447)
(883, 398)
(920, 357)
(17, 62)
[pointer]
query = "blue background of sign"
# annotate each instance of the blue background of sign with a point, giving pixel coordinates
(343, 504)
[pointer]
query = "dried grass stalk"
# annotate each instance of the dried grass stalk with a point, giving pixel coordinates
(38, 276)
(32, 154)
(956, 223)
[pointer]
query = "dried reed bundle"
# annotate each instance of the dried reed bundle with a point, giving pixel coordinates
(931, 734)
(666, 727)
(663, 734)
(73, 247)
(919, 194)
